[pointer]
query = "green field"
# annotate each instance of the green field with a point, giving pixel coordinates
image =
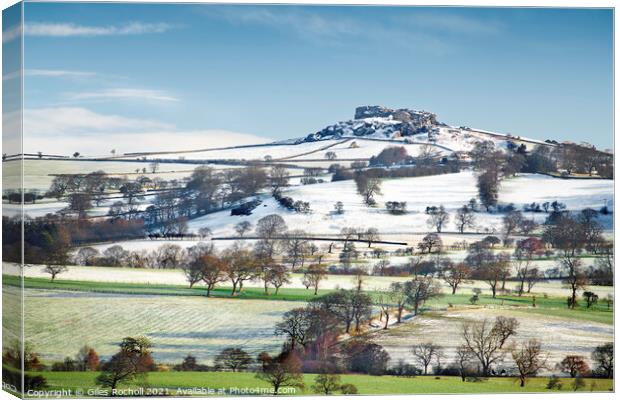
(555, 306)
(173, 381)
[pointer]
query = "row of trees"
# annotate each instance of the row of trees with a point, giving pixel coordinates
(570, 158)
(483, 352)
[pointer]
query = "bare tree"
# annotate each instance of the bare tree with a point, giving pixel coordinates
(56, 252)
(233, 358)
(383, 301)
(603, 355)
(281, 372)
(371, 235)
(241, 266)
(314, 275)
(213, 271)
(398, 296)
(463, 361)
(524, 253)
(438, 218)
(465, 218)
(279, 178)
(484, 340)
(243, 227)
(512, 221)
(330, 155)
(296, 245)
(529, 359)
(505, 327)
(419, 290)
(424, 353)
(269, 229)
(575, 279)
(455, 274)
(430, 242)
(495, 272)
(368, 187)
(278, 276)
(574, 366)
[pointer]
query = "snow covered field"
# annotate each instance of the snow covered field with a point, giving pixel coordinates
(37, 173)
(450, 190)
(59, 323)
(366, 149)
(250, 153)
(559, 336)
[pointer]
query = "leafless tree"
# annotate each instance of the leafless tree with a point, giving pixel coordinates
(455, 274)
(419, 290)
(424, 353)
(243, 227)
(241, 266)
(463, 360)
(574, 365)
(431, 242)
(575, 279)
(280, 372)
(371, 235)
(484, 340)
(213, 271)
(511, 222)
(279, 178)
(314, 275)
(278, 276)
(438, 218)
(368, 187)
(465, 218)
(398, 296)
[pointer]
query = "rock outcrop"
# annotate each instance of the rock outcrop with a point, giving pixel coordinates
(379, 122)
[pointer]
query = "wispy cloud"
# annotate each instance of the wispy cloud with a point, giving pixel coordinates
(448, 22)
(304, 23)
(11, 33)
(68, 29)
(64, 130)
(52, 73)
(335, 30)
(68, 120)
(122, 94)
(414, 29)
(58, 73)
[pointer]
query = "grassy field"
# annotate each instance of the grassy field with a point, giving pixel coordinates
(248, 293)
(62, 316)
(173, 382)
(555, 306)
(58, 323)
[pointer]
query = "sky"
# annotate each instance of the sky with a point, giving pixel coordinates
(146, 76)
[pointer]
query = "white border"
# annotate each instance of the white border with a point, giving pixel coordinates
(472, 3)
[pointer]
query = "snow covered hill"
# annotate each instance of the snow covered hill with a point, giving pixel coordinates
(450, 190)
(411, 126)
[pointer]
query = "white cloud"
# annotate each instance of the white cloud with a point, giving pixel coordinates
(122, 94)
(68, 29)
(446, 22)
(414, 29)
(58, 73)
(333, 30)
(132, 142)
(11, 33)
(58, 121)
(64, 130)
(53, 73)
(303, 23)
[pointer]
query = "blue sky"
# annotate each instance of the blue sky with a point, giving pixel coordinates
(181, 71)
